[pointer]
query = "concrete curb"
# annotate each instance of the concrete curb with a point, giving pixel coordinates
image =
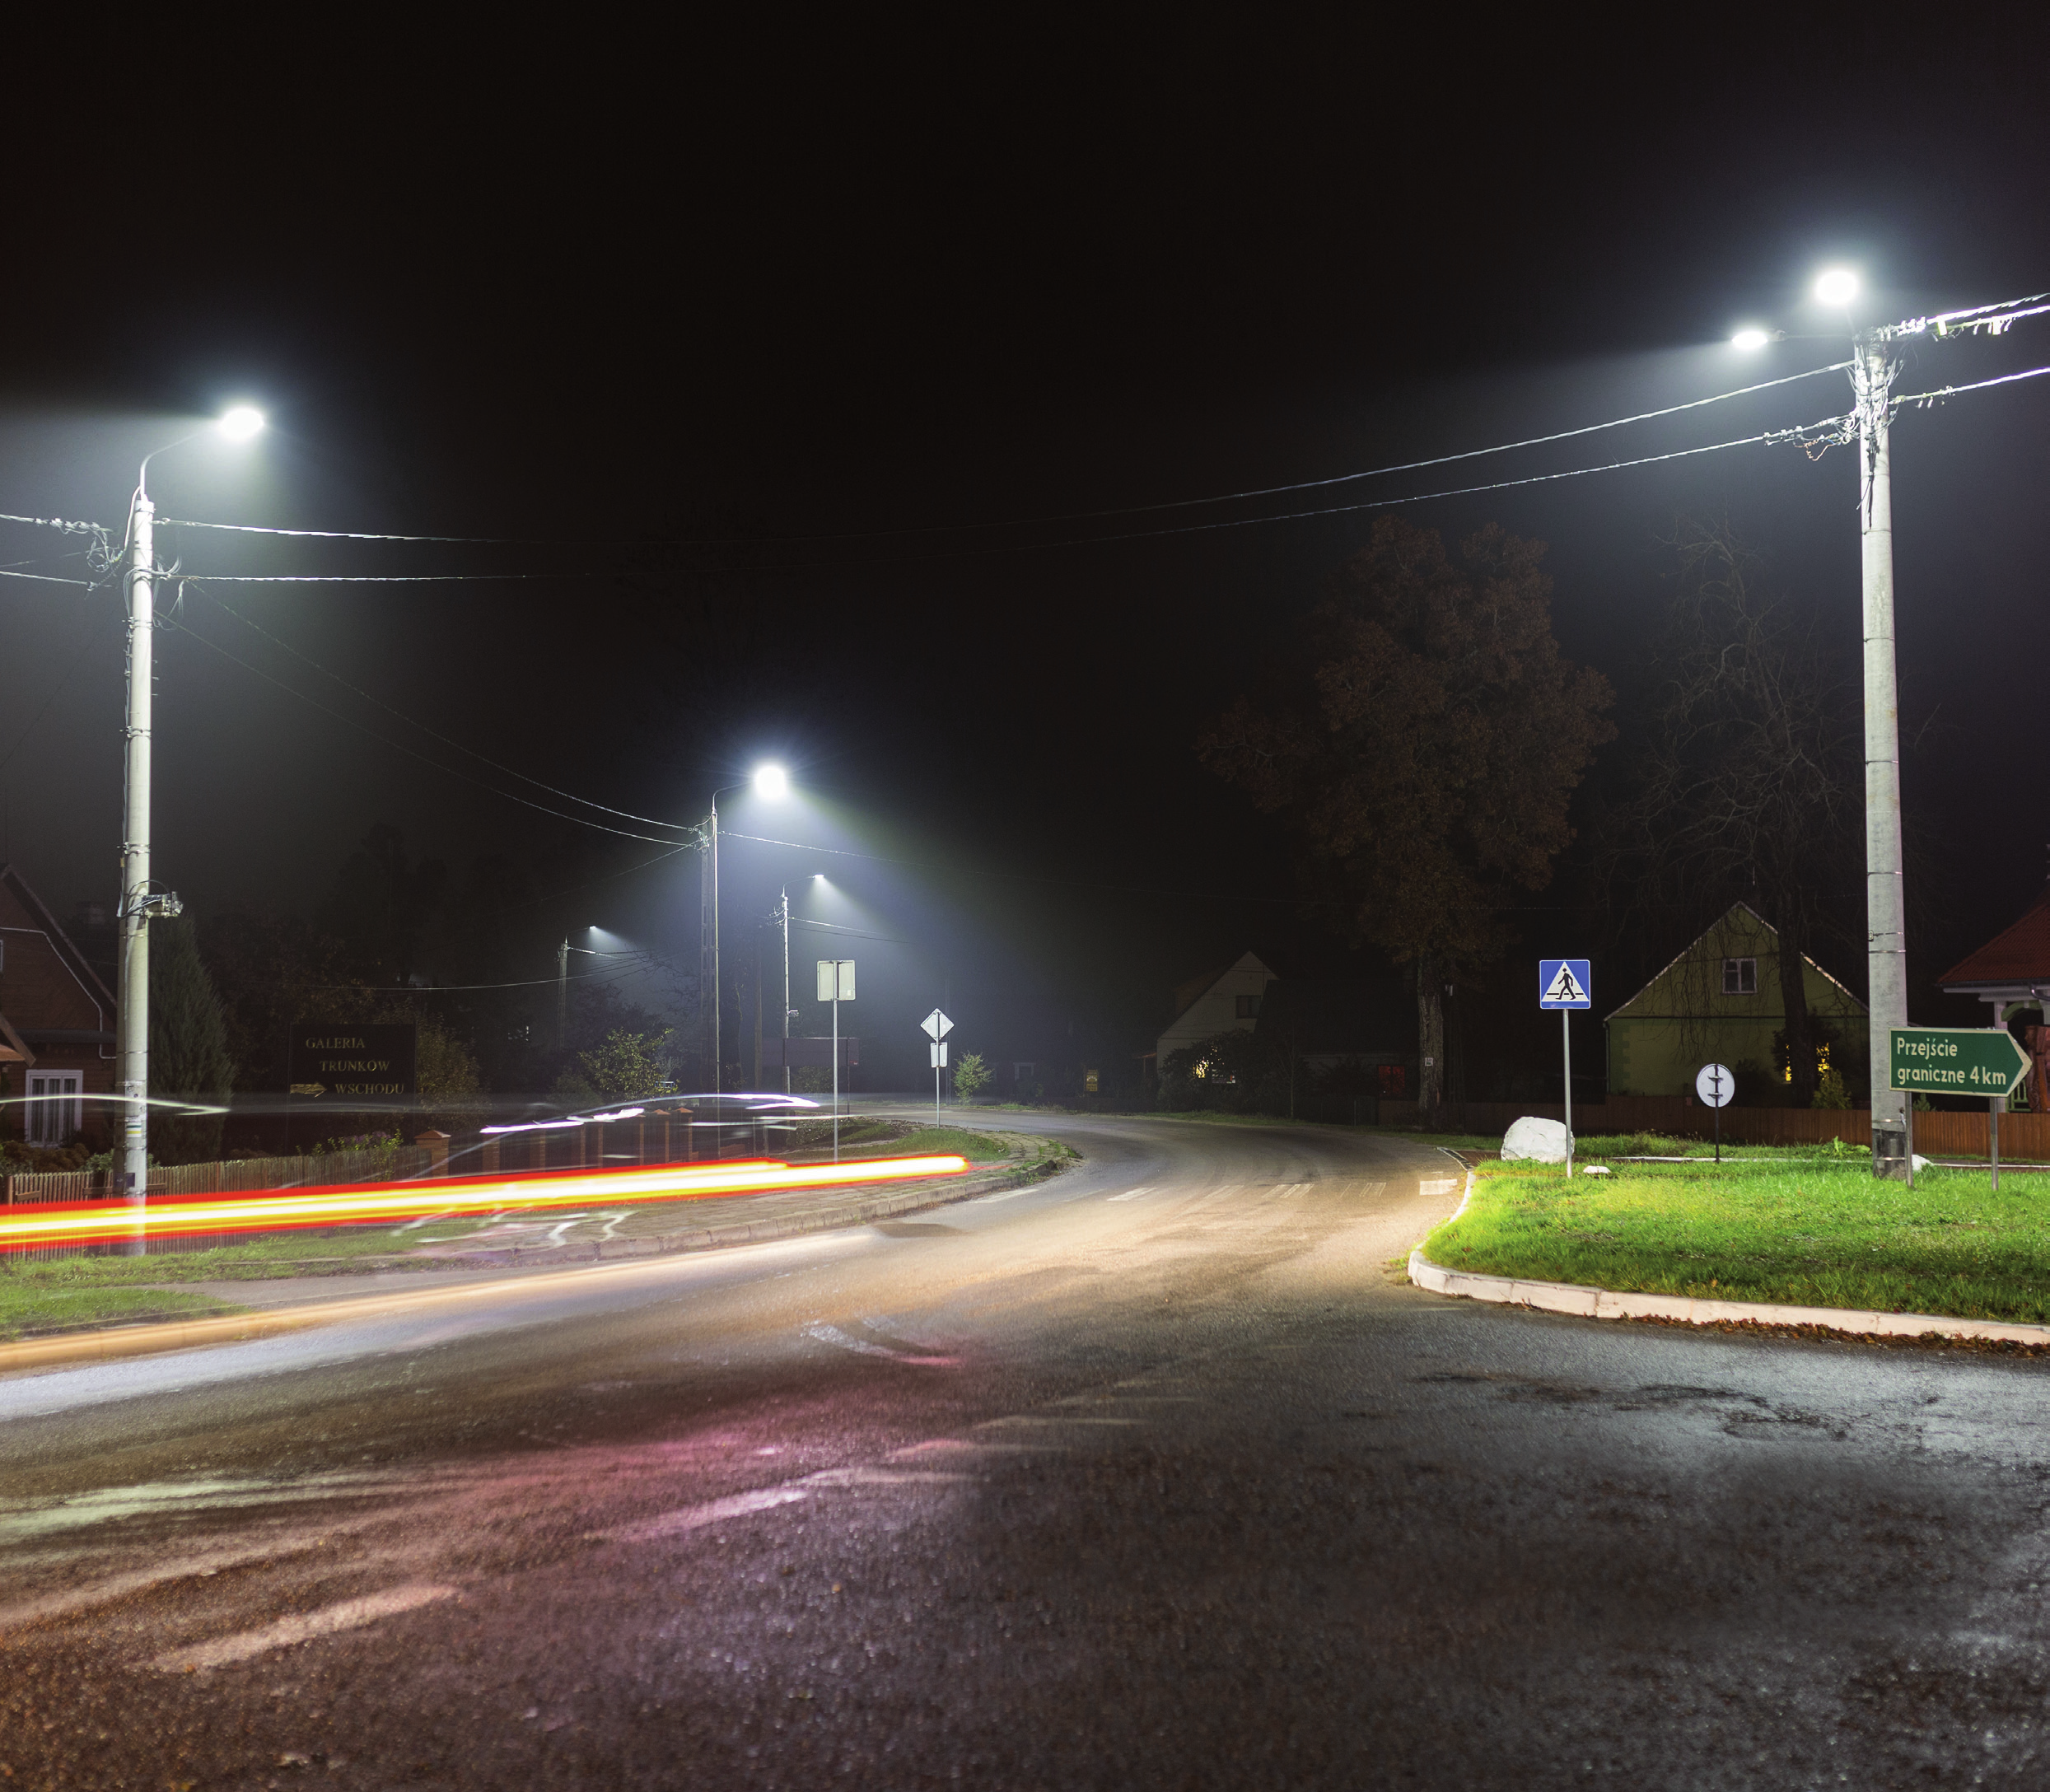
(1605, 1304)
(113, 1342)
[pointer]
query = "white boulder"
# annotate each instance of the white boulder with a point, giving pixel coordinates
(1534, 1140)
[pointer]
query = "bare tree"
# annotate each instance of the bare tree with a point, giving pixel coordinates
(1748, 784)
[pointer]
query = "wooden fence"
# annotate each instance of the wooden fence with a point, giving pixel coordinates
(2024, 1136)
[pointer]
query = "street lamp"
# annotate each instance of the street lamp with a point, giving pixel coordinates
(1873, 367)
(138, 901)
(772, 782)
(1836, 287)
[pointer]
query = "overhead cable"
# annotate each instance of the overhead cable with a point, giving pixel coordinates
(1331, 510)
(1022, 522)
(200, 584)
(1977, 385)
(350, 535)
(1274, 491)
(386, 578)
(44, 578)
(398, 747)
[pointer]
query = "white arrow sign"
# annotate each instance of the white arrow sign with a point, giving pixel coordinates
(938, 1025)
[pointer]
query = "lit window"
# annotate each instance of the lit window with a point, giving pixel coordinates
(1739, 977)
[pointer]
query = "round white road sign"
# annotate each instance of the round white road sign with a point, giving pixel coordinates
(1714, 1084)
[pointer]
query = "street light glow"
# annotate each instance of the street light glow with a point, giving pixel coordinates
(772, 781)
(1838, 286)
(1748, 339)
(240, 421)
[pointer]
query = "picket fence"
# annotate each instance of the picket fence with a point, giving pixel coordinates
(2024, 1136)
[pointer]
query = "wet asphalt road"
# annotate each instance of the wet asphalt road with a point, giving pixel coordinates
(1155, 1475)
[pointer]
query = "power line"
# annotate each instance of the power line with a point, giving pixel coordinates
(1022, 877)
(44, 578)
(1333, 509)
(1065, 516)
(618, 975)
(398, 747)
(1977, 385)
(349, 534)
(381, 578)
(569, 796)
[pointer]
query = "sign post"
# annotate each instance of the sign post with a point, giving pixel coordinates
(1714, 1083)
(1564, 984)
(836, 985)
(1985, 1062)
(937, 1027)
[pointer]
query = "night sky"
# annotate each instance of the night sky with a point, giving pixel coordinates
(795, 362)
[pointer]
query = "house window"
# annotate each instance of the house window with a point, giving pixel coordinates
(1248, 1007)
(1739, 977)
(55, 1111)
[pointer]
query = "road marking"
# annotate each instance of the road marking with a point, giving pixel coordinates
(691, 1517)
(1131, 1194)
(884, 1477)
(944, 1448)
(349, 1614)
(1028, 1418)
(988, 1201)
(823, 1334)
(832, 1334)
(1435, 1187)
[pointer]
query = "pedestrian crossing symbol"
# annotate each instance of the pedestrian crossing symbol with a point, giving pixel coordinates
(1563, 984)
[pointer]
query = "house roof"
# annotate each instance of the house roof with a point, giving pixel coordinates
(2021, 955)
(1188, 994)
(1757, 920)
(71, 958)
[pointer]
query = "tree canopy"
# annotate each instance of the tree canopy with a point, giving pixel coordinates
(1424, 741)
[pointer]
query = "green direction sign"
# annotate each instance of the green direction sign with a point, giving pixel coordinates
(1954, 1060)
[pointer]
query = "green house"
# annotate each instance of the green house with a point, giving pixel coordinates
(1718, 1002)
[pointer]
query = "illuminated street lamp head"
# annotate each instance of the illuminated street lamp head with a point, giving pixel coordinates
(772, 781)
(1837, 286)
(1748, 339)
(240, 421)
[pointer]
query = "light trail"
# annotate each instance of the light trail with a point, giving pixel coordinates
(94, 1222)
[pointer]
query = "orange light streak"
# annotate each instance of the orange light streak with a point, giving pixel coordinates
(371, 1203)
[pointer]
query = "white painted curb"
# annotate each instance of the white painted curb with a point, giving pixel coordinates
(1605, 1304)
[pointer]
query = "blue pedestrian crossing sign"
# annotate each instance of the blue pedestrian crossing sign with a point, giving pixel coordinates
(1564, 984)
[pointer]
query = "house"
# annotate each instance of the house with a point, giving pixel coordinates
(1718, 1002)
(1205, 1006)
(2011, 972)
(56, 1022)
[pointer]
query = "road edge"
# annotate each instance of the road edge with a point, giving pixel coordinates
(1588, 1303)
(110, 1343)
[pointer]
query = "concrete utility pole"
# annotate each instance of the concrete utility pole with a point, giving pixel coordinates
(1872, 375)
(131, 1011)
(718, 1057)
(138, 901)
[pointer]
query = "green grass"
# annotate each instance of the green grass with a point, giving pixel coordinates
(927, 1141)
(1802, 1233)
(28, 1306)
